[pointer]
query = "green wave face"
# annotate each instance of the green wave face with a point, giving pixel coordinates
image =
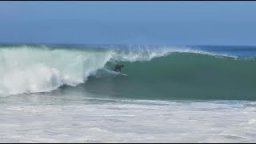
(181, 76)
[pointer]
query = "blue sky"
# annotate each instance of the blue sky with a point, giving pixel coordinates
(174, 23)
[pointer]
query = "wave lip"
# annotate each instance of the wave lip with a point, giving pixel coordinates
(148, 53)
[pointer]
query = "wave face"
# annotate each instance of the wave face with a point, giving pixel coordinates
(160, 73)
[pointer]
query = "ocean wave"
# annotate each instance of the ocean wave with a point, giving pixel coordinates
(30, 69)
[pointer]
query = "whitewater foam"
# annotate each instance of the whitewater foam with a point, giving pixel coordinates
(26, 69)
(122, 121)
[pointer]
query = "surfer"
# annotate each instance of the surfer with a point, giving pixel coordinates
(118, 67)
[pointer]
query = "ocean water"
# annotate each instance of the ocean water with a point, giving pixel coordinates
(69, 93)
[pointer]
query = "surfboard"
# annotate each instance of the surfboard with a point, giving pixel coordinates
(117, 73)
(122, 74)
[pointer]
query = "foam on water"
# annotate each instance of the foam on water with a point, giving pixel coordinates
(129, 121)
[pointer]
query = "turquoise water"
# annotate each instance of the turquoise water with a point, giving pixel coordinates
(182, 76)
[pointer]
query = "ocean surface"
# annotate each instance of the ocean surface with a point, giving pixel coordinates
(70, 93)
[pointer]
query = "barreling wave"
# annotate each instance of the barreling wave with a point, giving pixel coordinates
(165, 72)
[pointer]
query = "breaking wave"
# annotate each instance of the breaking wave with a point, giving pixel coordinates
(31, 69)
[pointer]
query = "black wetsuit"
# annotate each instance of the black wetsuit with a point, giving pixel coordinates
(118, 67)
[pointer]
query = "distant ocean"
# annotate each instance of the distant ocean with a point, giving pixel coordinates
(70, 93)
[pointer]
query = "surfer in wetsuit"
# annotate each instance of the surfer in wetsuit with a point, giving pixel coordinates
(118, 67)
